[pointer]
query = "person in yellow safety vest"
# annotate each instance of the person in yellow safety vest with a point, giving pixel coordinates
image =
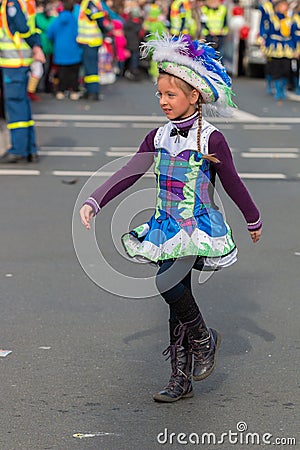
(91, 27)
(180, 17)
(214, 23)
(19, 45)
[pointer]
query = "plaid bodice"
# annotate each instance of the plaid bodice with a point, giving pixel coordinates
(182, 175)
(182, 184)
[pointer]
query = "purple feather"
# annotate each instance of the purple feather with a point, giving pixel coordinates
(192, 47)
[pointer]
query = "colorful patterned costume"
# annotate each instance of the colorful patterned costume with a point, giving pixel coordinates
(186, 220)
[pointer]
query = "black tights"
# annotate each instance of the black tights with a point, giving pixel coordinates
(173, 281)
(168, 272)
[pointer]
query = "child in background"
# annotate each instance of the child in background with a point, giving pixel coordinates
(120, 43)
(36, 73)
(44, 17)
(187, 230)
(66, 52)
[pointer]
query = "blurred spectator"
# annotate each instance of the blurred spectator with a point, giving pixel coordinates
(2, 114)
(296, 37)
(120, 45)
(196, 26)
(266, 9)
(279, 46)
(214, 23)
(108, 7)
(36, 72)
(91, 26)
(154, 24)
(44, 17)
(180, 17)
(134, 32)
(20, 44)
(66, 53)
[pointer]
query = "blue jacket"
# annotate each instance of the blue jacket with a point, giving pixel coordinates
(63, 32)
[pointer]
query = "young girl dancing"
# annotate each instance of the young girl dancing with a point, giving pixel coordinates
(187, 230)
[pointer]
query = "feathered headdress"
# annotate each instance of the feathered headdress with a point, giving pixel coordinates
(197, 64)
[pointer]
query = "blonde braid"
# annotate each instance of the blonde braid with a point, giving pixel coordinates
(199, 126)
(211, 157)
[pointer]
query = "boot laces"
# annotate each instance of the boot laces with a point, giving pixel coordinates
(172, 352)
(202, 349)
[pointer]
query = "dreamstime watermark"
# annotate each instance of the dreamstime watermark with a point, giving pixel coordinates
(241, 436)
(90, 250)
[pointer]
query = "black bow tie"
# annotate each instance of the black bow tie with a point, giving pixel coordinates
(178, 132)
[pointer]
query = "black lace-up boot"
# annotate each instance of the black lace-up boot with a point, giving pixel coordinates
(180, 384)
(204, 352)
(203, 342)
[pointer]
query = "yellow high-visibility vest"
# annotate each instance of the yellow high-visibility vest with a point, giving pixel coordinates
(181, 19)
(215, 19)
(88, 30)
(14, 51)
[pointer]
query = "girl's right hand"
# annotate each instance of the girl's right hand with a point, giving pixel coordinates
(86, 214)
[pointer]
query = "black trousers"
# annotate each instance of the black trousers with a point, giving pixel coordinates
(280, 68)
(68, 77)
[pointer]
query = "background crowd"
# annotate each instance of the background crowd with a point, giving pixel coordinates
(70, 48)
(127, 23)
(75, 36)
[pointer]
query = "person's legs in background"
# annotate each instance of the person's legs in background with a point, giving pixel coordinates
(74, 81)
(19, 117)
(91, 76)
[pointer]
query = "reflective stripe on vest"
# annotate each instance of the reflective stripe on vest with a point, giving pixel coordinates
(14, 51)
(215, 19)
(88, 30)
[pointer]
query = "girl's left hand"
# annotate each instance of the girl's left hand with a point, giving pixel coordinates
(255, 235)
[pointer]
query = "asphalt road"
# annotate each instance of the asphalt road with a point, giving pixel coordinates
(85, 362)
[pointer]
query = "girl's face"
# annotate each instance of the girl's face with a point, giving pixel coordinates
(175, 103)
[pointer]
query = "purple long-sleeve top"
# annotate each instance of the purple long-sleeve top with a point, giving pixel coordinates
(141, 162)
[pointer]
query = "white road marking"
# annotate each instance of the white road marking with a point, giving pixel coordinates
(270, 155)
(226, 126)
(238, 116)
(222, 126)
(99, 125)
(86, 173)
(99, 118)
(274, 150)
(271, 126)
(63, 153)
(144, 125)
(53, 124)
(63, 148)
(263, 176)
(66, 173)
(19, 172)
(119, 154)
(122, 149)
(254, 176)
(243, 116)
